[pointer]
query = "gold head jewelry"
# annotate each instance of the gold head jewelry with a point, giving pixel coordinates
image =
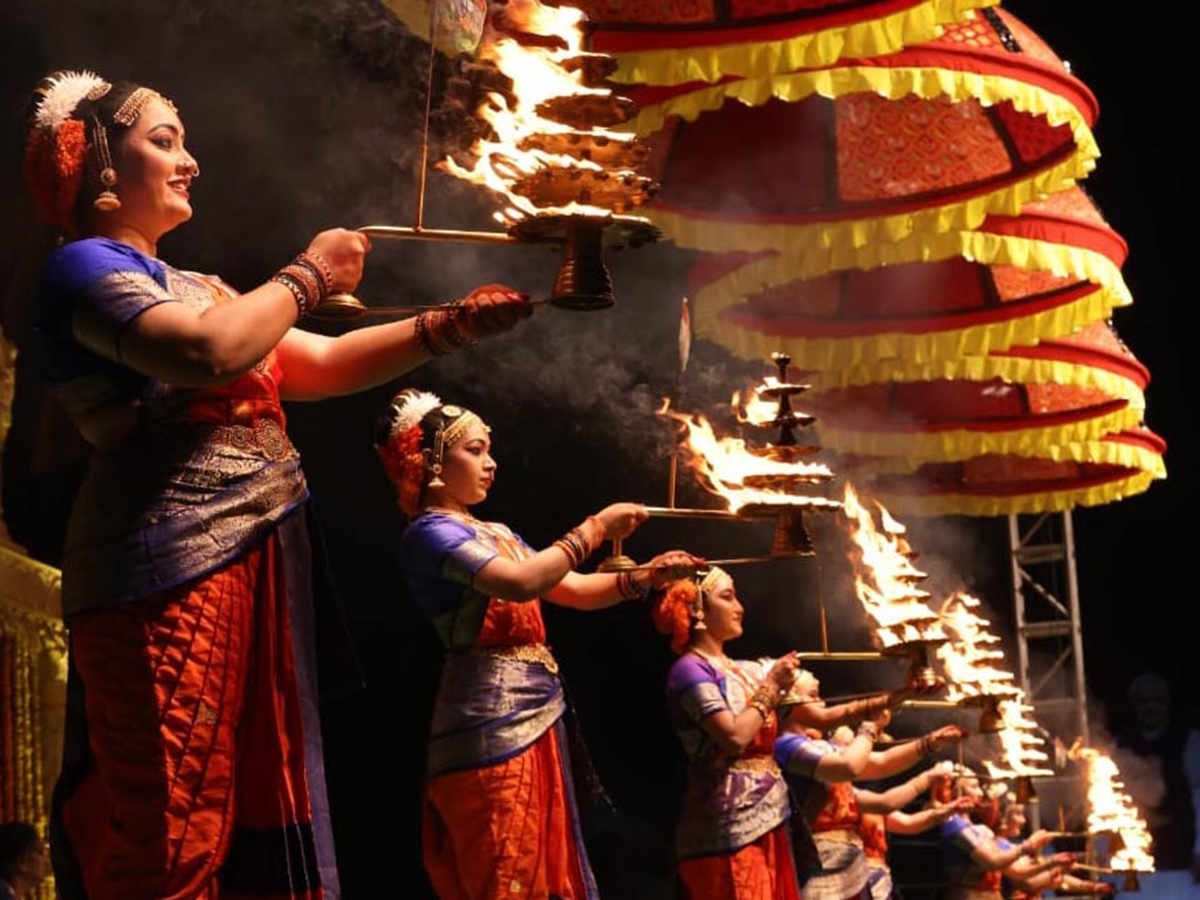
(706, 584)
(461, 420)
(129, 111)
(455, 423)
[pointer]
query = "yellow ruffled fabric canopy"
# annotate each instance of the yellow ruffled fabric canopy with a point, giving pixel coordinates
(773, 41)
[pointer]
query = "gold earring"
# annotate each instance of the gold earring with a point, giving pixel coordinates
(436, 480)
(107, 200)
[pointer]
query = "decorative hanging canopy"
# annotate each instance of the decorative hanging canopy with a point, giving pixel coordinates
(1018, 279)
(869, 151)
(685, 40)
(917, 422)
(1088, 474)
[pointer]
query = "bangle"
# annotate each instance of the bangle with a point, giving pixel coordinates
(765, 698)
(576, 545)
(628, 587)
(320, 268)
(925, 746)
(299, 291)
(439, 333)
(588, 542)
(309, 279)
(570, 546)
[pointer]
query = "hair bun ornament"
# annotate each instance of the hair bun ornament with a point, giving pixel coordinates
(410, 406)
(673, 612)
(398, 441)
(62, 92)
(56, 148)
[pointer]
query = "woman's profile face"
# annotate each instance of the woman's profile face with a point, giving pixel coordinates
(722, 611)
(1014, 818)
(154, 172)
(969, 786)
(468, 469)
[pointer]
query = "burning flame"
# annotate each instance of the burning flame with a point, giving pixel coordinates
(724, 465)
(885, 577)
(1021, 748)
(755, 409)
(971, 659)
(538, 74)
(970, 656)
(1111, 810)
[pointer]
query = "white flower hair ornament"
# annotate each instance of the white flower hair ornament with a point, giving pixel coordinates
(410, 408)
(64, 92)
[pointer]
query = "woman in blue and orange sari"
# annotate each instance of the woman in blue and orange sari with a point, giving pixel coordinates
(732, 838)
(975, 859)
(192, 763)
(500, 819)
(820, 772)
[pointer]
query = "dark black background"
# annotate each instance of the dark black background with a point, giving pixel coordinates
(304, 115)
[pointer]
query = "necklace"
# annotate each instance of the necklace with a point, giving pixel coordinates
(454, 513)
(720, 660)
(495, 530)
(729, 667)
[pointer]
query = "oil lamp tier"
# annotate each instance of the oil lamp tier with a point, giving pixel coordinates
(548, 151)
(585, 111)
(585, 145)
(583, 281)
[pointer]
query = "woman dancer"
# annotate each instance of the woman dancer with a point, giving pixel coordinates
(819, 774)
(193, 755)
(975, 860)
(1027, 886)
(499, 814)
(732, 838)
(875, 824)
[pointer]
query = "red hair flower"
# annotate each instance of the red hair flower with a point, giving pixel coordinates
(672, 612)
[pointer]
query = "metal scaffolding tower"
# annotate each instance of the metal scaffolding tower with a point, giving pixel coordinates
(1048, 626)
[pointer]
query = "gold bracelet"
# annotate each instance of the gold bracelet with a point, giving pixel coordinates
(765, 698)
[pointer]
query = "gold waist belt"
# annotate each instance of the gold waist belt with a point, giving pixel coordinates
(842, 835)
(264, 436)
(532, 653)
(755, 764)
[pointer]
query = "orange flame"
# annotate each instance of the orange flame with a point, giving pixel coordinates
(1021, 748)
(537, 75)
(970, 656)
(971, 659)
(885, 577)
(755, 409)
(724, 465)
(1111, 810)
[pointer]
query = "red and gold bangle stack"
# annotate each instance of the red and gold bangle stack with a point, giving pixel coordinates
(442, 331)
(578, 544)
(309, 278)
(765, 698)
(925, 746)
